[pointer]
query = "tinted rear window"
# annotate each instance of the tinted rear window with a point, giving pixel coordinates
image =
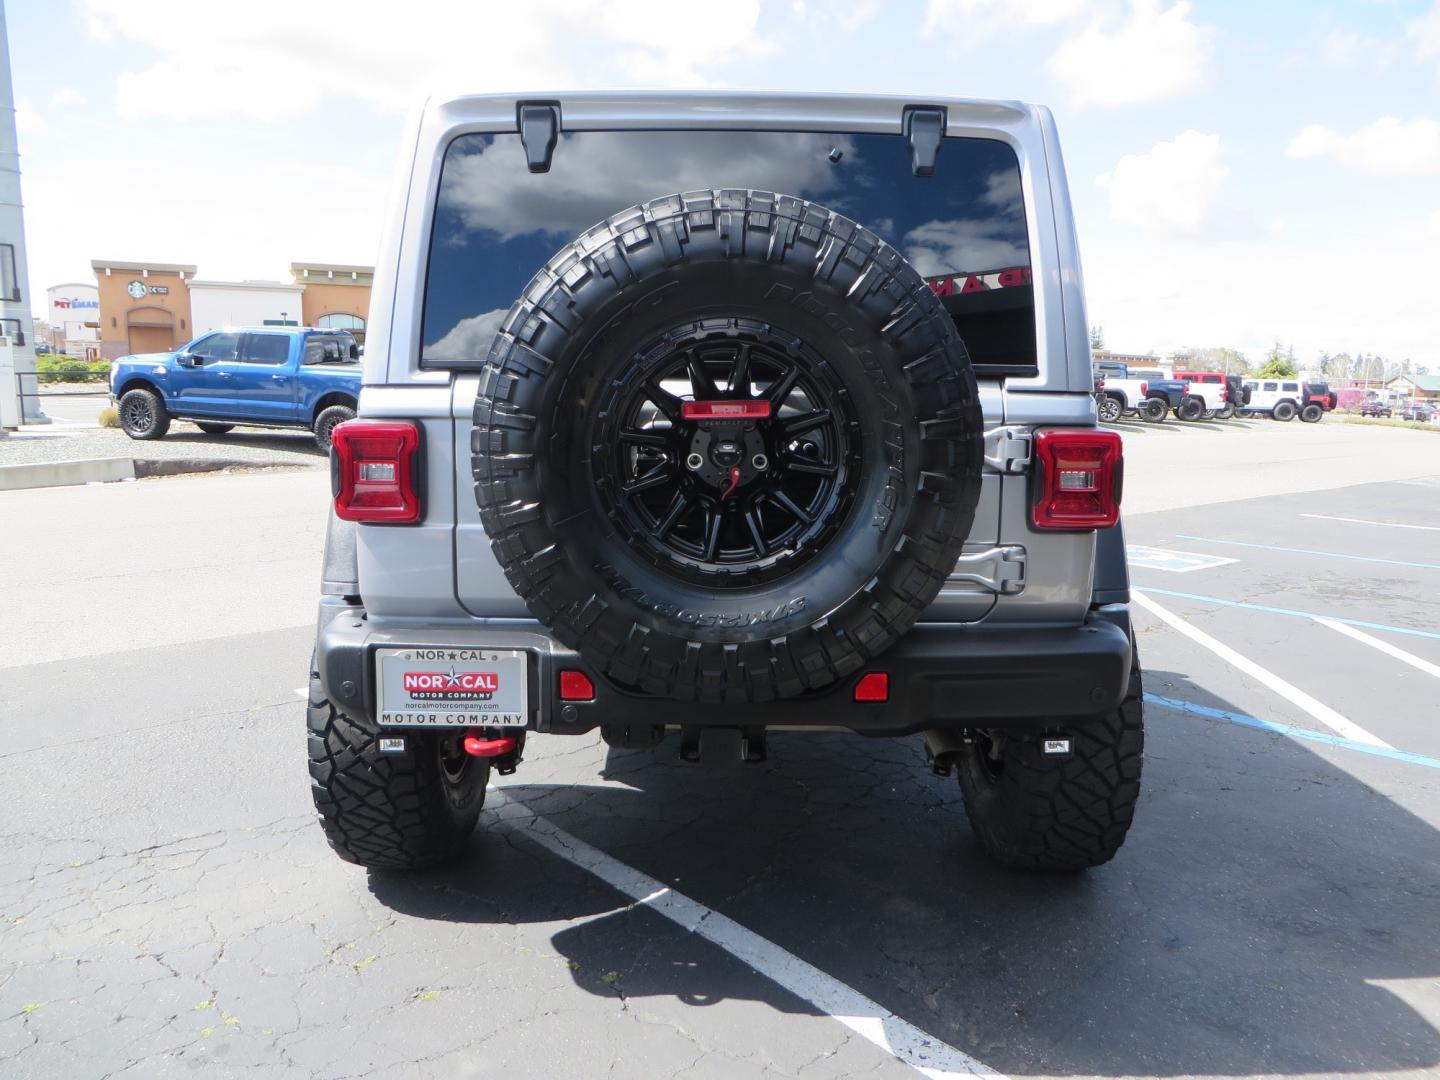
(496, 223)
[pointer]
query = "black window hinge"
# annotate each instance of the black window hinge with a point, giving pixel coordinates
(539, 130)
(924, 128)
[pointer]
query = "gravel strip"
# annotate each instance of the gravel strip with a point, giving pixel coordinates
(260, 445)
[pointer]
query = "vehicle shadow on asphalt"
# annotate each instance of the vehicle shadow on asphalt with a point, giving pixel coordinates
(298, 442)
(1253, 923)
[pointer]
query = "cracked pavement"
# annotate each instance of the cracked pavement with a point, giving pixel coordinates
(169, 908)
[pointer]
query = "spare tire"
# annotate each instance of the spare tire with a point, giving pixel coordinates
(727, 446)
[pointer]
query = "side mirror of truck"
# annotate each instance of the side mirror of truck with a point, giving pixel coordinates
(354, 351)
(187, 360)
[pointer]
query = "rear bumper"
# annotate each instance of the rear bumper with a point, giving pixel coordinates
(940, 675)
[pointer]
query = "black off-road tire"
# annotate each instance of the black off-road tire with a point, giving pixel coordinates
(1154, 410)
(1109, 409)
(1030, 812)
(390, 811)
(328, 420)
(750, 265)
(212, 428)
(1225, 412)
(1312, 413)
(1190, 410)
(1284, 411)
(143, 414)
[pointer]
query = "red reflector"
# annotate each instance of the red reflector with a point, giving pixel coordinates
(576, 686)
(1078, 475)
(725, 410)
(874, 686)
(372, 471)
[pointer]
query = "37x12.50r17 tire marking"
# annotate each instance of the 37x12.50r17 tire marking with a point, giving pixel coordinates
(722, 550)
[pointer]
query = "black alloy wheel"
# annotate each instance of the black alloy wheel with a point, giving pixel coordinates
(137, 413)
(726, 458)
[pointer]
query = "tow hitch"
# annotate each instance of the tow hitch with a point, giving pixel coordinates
(503, 750)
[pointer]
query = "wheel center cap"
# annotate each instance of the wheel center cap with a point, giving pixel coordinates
(726, 452)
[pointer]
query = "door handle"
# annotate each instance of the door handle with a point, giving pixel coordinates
(223, 374)
(279, 378)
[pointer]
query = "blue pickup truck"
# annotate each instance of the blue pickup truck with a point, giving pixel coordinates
(267, 376)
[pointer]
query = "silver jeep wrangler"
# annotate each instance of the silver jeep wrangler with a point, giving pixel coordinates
(711, 413)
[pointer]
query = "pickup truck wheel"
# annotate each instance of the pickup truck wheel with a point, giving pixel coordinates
(1155, 410)
(1311, 413)
(1191, 409)
(1284, 410)
(391, 811)
(1109, 409)
(211, 428)
(328, 420)
(1033, 812)
(143, 414)
(727, 446)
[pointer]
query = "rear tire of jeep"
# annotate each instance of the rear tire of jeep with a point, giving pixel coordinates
(1311, 414)
(1225, 413)
(1190, 410)
(1030, 812)
(1284, 410)
(1154, 411)
(328, 420)
(1109, 410)
(143, 415)
(391, 811)
(855, 466)
(210, 428)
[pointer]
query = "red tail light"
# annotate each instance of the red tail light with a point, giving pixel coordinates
(1144, 388)
(1078, 479)
(576, 686)
(373, 465)
(873, 686)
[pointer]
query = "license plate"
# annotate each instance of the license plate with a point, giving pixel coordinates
(452, 687)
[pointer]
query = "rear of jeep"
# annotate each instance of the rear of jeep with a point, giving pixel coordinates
(702, 415)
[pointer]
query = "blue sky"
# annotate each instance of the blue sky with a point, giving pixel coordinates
(1242, 172)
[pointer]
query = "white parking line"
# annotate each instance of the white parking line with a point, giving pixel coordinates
(1364, 521)
(868, 1019)
(1383, 646)
(1321, 712)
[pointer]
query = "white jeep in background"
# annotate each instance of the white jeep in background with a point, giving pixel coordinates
(1282, 399)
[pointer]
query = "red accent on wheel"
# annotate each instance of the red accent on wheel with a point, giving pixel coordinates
(725, 410)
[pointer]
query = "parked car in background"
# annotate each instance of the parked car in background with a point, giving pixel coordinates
(1316, 400)
(266, 376)
(1280, 398)
(1236, 397)
(1208, 394)
(1376, 407)
(1149, 394)
(1418, 410)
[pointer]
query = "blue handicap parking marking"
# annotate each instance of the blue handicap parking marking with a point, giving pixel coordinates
(1177, 562)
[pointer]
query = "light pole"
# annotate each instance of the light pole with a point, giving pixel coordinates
(14, 293)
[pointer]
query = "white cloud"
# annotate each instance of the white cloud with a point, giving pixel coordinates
(967, 245)
(1425, 33)
(1173, 187)
(1154, 53)
(27, 120)
(969, 18)
(66, 95)
(469, 339)
(278, 58)
(1389, 145)
(1433, 227)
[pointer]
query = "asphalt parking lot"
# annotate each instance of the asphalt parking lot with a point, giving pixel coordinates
(169, 908)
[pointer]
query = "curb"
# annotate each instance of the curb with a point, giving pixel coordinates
(110, 470)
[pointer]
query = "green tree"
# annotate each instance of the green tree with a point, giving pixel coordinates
(1097, 337)
(1279, 363)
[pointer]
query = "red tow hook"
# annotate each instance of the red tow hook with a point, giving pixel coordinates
(734, 482)
(476, 745)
